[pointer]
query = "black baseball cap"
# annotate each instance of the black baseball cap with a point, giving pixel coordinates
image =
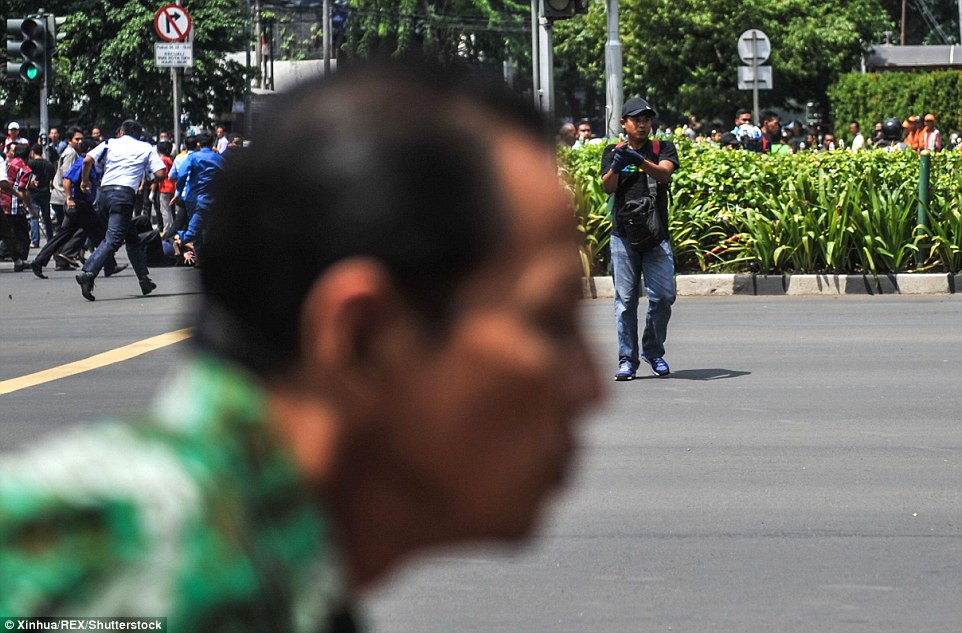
(636, 106)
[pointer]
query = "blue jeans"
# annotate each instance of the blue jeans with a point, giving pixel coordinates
(118, 204)
(198, 220)
(658, 268)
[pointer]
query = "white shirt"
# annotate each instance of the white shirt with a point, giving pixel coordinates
(222, 144)
(3, 170)
(858, 142)
(128, 161)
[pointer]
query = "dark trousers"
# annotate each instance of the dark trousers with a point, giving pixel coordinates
(42, 200)
(118, 203)
(78, 223)
(21, 232)
(8, 237)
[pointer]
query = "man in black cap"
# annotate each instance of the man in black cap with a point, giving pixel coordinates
(637, 173)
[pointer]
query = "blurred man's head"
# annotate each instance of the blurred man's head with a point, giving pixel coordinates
(771, 125)
(584, 131)
(424, 304)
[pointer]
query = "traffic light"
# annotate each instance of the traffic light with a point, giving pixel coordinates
(561, 9)
(27, 39)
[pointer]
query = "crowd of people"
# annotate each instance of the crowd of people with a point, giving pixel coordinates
(60, 195)
(770, 135)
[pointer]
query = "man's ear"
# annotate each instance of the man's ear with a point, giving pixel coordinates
(348, 321)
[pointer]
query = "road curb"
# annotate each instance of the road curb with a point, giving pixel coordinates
(772, 285)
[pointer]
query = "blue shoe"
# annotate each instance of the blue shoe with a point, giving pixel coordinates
(658, 366)
(626, 370)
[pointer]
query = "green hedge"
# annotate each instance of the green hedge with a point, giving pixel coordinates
(873, 97)
(840, 212)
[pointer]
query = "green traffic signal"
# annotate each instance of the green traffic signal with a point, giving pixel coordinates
(34, 41)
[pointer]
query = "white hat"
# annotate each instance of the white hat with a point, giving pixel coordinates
(13, 126)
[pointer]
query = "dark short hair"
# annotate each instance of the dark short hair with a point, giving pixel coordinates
(767, 116)
(132, 128)
(73, 130)
(37, 149)
(205, 139)
(398, 174)
(21, 150)
(164, 147)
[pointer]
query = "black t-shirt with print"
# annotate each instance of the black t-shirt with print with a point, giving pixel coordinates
(633, 183)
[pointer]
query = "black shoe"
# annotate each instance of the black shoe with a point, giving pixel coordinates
(146, 285)
(37, 269)
(18, 268)
(86, 281)
(114, 270)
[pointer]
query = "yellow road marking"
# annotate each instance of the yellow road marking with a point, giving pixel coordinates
(95, 362)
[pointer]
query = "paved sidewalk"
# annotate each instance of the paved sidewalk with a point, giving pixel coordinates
(759, 285)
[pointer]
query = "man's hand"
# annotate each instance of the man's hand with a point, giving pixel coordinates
(634, 158)
(623, 157)
(85, 185)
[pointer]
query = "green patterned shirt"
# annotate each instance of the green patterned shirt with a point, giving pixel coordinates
(195, 514)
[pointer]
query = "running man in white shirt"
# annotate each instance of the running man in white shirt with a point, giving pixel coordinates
(126, 161)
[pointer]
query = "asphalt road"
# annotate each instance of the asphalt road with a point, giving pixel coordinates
(801, 470)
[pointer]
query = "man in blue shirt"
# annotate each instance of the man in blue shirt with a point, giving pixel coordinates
(80, 215)
(196, 175)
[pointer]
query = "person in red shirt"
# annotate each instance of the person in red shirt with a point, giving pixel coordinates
(16, 201)
(166, 188)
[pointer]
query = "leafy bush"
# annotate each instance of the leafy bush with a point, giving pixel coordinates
(839, 212)
(872, 97)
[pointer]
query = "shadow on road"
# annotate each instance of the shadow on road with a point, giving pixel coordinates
(707, 374)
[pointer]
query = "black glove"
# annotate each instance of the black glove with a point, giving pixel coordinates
(624, 156)
(634, 158)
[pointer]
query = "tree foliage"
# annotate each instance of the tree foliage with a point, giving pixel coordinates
(683, 55)
(476, 30)
(105, 69)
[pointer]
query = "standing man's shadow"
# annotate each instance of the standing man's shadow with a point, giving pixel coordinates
(707, 374)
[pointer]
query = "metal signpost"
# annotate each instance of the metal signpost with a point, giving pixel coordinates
(174, 26)
(754, 48)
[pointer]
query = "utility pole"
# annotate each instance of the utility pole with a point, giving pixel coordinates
(47, 68)
(536, 55)
(327, 37)
(614, 81)
(902, 37)
(547, 66)
(248, 118)
(258, 34)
